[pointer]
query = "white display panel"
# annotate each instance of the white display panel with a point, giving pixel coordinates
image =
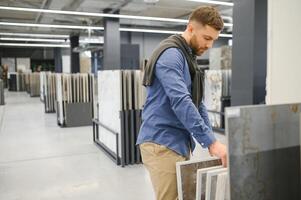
(66, 64)
(109, 98)
(23, 64)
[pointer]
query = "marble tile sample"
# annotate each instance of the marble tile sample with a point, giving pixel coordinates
(212, 95)
(109, 99)
(264, 151)
(220, 58)
(187, 174)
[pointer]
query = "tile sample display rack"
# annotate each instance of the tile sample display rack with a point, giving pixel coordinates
(120, 99)
(48, 91)
(27, 81)
(264, 151)
(75, 96)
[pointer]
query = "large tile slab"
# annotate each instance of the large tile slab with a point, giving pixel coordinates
(264, 151)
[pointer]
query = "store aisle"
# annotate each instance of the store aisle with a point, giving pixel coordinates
(39, 160)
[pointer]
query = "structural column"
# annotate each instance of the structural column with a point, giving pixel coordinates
(57, 52)
(111, 58)
(74, 62)
(249, 60)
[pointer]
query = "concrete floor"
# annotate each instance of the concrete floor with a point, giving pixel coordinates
(41, 161)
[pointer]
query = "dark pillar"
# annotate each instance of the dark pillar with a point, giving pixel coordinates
(111, 59)
(74, 42)
(249, 60)
(57, 53)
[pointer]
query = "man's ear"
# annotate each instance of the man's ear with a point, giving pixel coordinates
(190, 28)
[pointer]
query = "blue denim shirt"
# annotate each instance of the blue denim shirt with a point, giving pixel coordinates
(169, 116)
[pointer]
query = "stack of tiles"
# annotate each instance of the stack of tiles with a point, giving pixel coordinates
(12, 81)
(120, 100)
(1, 92)
(74, 94)
(17, 81)
(48, 91)
(21, 82)
(34, 84)
(42, 85)
(264, 151)
(27, 82)
(202, 180)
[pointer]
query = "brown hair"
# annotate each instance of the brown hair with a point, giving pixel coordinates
(207, 15)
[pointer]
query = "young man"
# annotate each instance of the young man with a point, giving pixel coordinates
(173, 112)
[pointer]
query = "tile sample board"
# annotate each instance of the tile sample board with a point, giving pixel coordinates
(201, 181)
(187, 174)
(109, 99)
(216, 184)
(264, 151)
(59, 96)
(213, 94)
(220, 58)
(23, 64)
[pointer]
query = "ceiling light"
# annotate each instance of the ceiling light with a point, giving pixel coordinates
(223, 3)
(34, 45)
(32, 39)
(225, 35)
(64, 12)
(94, 28)
(149, 30)
(35, 35)
(163, 31)
(51, 26)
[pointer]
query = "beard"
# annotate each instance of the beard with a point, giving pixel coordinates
(196, 49)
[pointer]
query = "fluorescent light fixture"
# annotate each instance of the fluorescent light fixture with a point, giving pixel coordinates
(31, 39)
(86, 40)
(149, 31)
(34, 45)
(65, 12)
(51, 26)
(223, 3)
(95, 28)
(163, 31)
(94, 40)
(225, 35)
(34, 35)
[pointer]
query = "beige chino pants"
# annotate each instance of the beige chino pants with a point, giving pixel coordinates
(161, 165)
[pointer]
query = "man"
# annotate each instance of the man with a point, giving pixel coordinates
(173, 112)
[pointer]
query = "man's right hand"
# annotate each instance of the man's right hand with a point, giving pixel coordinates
(219, 150)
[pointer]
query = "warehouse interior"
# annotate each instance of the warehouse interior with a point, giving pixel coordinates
(71, 99)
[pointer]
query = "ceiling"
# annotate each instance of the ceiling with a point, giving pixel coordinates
(179, 9)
